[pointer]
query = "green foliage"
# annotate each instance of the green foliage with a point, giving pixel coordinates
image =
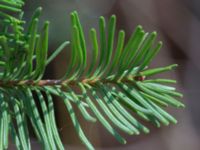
(115, 81)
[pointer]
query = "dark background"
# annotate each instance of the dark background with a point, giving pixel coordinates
(178, 25)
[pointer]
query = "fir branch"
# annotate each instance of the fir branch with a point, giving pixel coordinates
(114, 82)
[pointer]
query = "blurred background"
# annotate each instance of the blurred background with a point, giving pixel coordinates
(178, 25)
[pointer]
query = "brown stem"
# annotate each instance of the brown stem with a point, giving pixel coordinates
(53, 82)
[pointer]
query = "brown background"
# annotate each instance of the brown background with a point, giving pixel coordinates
(178, 25)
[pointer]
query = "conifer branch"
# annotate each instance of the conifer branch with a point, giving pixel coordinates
(114, 82)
